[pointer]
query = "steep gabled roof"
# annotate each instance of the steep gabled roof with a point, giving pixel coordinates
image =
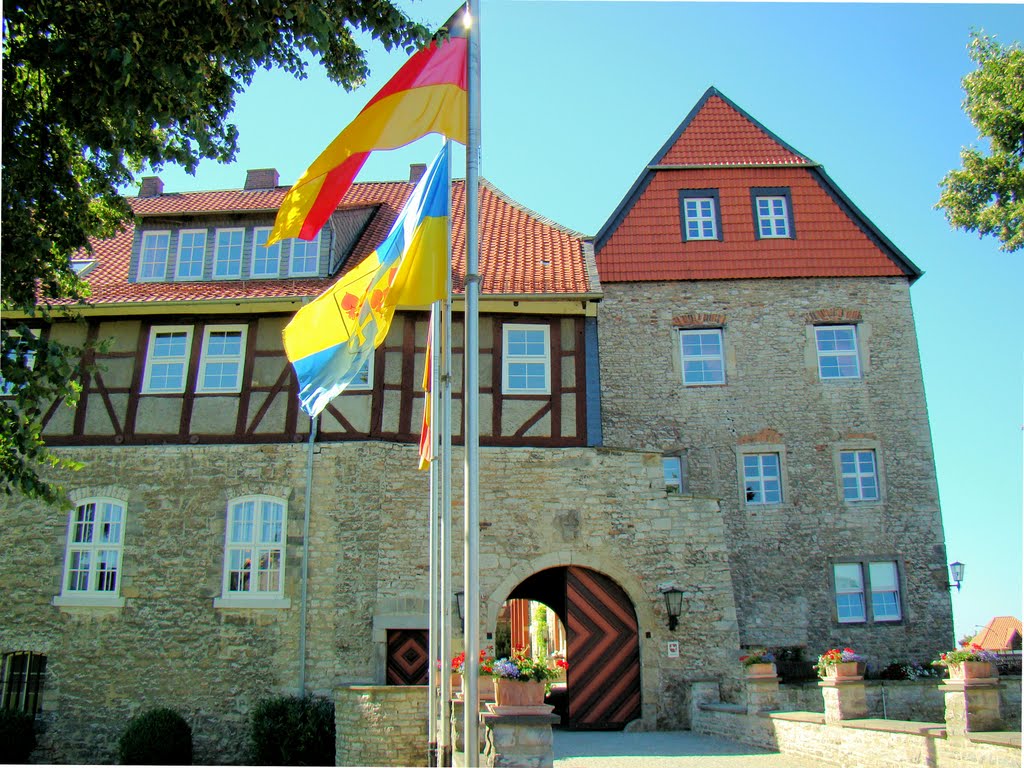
(1003, 633)
(719, 146)
(521, 253)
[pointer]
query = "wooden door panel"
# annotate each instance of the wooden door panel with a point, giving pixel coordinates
(603, 679)
(408, 657)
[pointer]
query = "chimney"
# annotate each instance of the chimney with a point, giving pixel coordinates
(261, 178)
(416, 171)
(151, 186)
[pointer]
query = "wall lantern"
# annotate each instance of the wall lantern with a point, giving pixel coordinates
(673, 605)
(956, 575)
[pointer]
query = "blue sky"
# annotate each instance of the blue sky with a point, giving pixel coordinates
(578, 96)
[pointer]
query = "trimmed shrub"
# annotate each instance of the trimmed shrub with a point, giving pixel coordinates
(157, 737)
(17, 736)
(288, 730)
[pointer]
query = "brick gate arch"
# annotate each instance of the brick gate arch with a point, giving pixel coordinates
(603, 644)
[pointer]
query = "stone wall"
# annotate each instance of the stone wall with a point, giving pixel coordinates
(852, 744)
(773, 400)
(381, 725)
(172, 644)
(919, 700)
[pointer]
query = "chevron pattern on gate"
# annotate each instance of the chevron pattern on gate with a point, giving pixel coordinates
(603, 652)
(408, 657)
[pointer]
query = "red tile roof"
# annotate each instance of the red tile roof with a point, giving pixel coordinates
(718, 146)
(1003, 633)
(521, 253)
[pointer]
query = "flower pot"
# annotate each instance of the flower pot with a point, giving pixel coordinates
(845, 670)
(517, 693)
(484, 687)
(761, 669)
(970, 670)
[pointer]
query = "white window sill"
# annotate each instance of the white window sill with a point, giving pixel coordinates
(88, 601)
(252, 602)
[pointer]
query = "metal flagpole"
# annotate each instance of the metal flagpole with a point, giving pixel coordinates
(434, 622)
(444, 421)
(305, 558)
(471, 397)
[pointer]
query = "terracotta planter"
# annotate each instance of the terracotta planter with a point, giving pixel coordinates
(970, 670)
(845, 670)
(516, 693)
(484, 686)
(764, 669)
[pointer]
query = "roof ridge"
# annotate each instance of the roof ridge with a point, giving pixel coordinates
(530, 212)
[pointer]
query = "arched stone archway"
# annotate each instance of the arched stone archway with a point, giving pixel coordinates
(603, 680)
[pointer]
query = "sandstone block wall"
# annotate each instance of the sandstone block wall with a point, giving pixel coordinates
(169, 644)
(781, 555)
(381, 725)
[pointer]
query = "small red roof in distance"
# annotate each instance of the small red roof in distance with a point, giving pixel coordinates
(521, 252)
(1003, 633)
(720, 147)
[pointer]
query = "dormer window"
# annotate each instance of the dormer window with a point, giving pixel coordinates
(265, 261)
(305, 260)
(227, 261)
(773, 213)
(153, 257)
(191, 254)
(700, 214)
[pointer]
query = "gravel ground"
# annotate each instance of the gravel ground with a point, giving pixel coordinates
(662, 749)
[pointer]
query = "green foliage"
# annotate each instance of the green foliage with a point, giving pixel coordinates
(987, 194)
(540, 625)
(289, 730)
(157, 737)
(17, 736)
(90, 97)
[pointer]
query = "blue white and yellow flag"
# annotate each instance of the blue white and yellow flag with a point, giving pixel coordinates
(331, 338)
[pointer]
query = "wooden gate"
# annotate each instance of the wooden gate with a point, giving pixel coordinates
(408, 657)
(603, 679)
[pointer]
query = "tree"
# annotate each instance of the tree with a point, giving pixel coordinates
(987, 194)
(92, 93)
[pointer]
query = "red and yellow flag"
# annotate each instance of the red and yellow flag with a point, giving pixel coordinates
(427, 95)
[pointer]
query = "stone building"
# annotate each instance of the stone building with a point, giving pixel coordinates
(722, 397)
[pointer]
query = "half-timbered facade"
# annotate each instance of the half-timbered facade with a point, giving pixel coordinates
(720, 394)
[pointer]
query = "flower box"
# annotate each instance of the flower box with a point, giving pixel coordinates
(845, 670)
(761, 670)
(518, 693)
(971, 670)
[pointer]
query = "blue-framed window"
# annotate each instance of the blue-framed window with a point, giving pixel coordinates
(700, 214)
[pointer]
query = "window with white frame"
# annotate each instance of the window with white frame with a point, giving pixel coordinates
(227, 260)
(265, 259)
(674, 470)
(153, 256)
(526, 359)
(702, 356)
(167, 359)
(254, 547)
(859, 471)
(700, 218)
(772, 216)
(885, 591)
(191, 254)
(849, 585)
(364, 376)
(881, 584)
(222, 358)
(762, 478)
(305, 258)
(92, 564)
(837, 351)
